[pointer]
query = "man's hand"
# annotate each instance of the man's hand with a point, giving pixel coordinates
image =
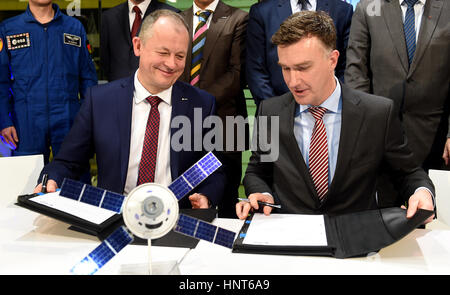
(199, 201)
(446, 154)
(9, 137)
(422, 199)
(243, 207)
(51, 187)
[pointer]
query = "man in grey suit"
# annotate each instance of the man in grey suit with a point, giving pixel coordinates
(333, 139)
(412, 69)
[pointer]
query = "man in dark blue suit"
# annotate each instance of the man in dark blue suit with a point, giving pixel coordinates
(117, 57)
(262, 70)
(114, 120)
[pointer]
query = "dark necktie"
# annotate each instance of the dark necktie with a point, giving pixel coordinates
(137, 21)
(150, 147)
(410, 30)
(318, 153)
(197, 45)
(304, 4)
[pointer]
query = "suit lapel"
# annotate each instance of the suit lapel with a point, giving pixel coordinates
(124, 108)
(352, 118)
(288, 112)
(323, 5)
(154, 5)
(219, 19)
(124, 19)
(188, 16)
(180, 106)
(124, 23)
(392, 15)
(430, 19)
(284, 10)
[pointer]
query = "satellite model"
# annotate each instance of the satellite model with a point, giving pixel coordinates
(150, 211)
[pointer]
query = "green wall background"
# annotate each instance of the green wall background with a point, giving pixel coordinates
(92, 4)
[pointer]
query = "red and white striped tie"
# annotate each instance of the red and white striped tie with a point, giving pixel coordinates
(318, 153)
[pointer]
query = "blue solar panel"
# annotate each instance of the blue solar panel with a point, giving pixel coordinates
(180, 187)
(209, 163)
(104, 252)
(194, 175)
(101, 255)
(71, 189)
(205, 231)
(92, 195)
(120, 238)
(225, 238)
(186, 225)
(112, 201)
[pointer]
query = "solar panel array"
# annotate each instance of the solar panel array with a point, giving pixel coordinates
(194, 175)
(104, 252)
(205, 231)
(121, 237)
(95, 196)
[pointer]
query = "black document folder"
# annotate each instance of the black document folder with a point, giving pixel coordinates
(103, 230)
(348, 235)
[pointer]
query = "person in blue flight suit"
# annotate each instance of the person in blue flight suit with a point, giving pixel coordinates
(45, 68)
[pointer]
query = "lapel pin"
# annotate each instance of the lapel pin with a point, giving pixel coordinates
(184, 99)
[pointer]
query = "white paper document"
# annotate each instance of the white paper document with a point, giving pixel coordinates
(85, 211)
(286, 230)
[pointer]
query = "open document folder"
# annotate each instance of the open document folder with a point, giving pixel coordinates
(342, 236)
(78, 209)
(89, 219)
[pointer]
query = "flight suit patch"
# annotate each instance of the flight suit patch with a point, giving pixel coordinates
(18, 41)
(72, 40)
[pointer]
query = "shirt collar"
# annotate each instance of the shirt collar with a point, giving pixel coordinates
(331, 103)
(311, 3)
(143, 6)
(140, 93)
(212, 6)
(418, 1)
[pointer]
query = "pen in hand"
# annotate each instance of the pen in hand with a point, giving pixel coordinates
(262, 203)
(44, 183)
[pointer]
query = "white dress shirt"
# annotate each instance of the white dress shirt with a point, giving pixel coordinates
(332, 119)
(297, 7)
(140, 111)
(212, 6)
(418, 13)
(143, 7)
